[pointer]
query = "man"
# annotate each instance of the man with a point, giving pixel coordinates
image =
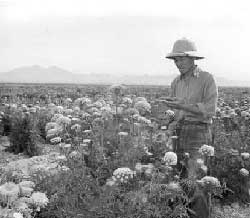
(194, 100)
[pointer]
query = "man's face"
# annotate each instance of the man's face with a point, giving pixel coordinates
(184, 64)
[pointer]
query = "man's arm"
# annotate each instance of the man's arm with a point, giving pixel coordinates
(209, 102)
(207, 107)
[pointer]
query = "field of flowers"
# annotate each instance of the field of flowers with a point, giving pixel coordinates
(108, 151)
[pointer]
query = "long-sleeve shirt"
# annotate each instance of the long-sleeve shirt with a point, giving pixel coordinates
(199, 89)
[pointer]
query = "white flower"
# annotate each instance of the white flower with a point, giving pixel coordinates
(53, 132)
(76, 109)
(138, 167)
(61, 158)
(174, 186)
(117, 89)
(74, 154)
(9, 192)
(75, 119)
(51, 125)
(29, 184)
(245, 155)
(169, 113)
(20, 205)
(76, 127)
(17, 215)
(68, 111)
(87, 131)
(56, 117)
(59, 109)
(66, 146)
(97, 104)
(207, 150)
(127, 100)
(131, 111)
(25, 191)
(121, 174)
(32, 110)
(245, 113)
(110, 182)
(211, 181)
(39, 199)
(63, 120)
(142, 106)
(51, 105)
(83, 100)
(140, 99)
(244, 172)
(86, 141)
(170, 158)
(68, 100)
(64, 168)
(144, 120)
(200, 162)
(123, 134)
(56, 140)
(204, 168)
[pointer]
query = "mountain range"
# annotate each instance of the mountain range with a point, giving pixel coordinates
(54, 74)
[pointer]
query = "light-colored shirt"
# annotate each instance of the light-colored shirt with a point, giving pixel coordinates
(199, 89)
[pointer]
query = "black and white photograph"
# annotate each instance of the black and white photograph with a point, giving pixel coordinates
(124, 109)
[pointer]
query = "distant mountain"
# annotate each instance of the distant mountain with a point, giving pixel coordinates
(53, 74)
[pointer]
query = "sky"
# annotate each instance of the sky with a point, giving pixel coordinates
(124, 36)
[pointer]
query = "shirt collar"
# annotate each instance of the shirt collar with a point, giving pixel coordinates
(193, 72)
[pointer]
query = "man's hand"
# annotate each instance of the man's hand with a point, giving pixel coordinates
(179, 105)
(174, 103)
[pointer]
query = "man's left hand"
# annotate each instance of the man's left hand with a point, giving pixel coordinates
(179, 105)
(176, 104)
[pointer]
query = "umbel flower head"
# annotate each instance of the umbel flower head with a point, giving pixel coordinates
(244, 172)
(123, 175)
(207, 150)
(142, 106)
(117, 89)
(39, 199)
(245, 155)
(170, 158)
(210, 182)
(9, 192)
(17, 215)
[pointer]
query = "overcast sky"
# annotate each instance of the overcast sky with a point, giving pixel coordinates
(124, 36)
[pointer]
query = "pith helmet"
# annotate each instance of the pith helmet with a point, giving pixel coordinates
(184, 47)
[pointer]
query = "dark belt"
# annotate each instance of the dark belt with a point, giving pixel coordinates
(189, 122)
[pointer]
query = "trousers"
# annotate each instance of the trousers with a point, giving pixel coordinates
(191, 136)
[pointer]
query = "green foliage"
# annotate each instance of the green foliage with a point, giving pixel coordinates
(226, 167)
(42, 118)
(23, 136)
(77, 194)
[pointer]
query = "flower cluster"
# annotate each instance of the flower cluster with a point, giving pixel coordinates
(39, 199)
(9, 192)
(20, 199)
(244, 172)
(170, 114)
(170, 158)
(147, 169)
(142, 106)
(210, 181)
(123, 175)
(117, 89)
(82, 100)
(201, 165)
(207, 150)
(245, 155)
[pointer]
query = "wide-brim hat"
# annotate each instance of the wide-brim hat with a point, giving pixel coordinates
(184, 48)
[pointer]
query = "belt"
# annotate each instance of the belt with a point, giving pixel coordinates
(197, 123)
